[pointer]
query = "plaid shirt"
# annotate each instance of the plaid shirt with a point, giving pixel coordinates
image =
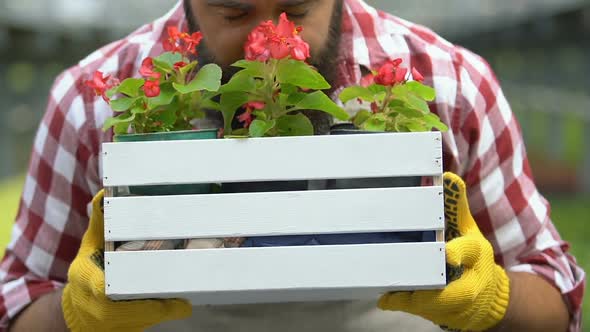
(484, 146)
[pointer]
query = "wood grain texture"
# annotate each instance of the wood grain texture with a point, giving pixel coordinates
(278, 274)
(274, 213)
(267, 159)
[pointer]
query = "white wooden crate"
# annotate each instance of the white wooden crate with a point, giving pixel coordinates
(274, 274)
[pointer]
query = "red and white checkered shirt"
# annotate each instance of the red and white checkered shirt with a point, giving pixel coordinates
(484, 146)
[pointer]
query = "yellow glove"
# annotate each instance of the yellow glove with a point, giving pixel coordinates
(477, 296)
(84, 303)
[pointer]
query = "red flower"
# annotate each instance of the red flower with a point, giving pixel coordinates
(374, 107)
(151, 88)
(170, 44)
(417, 75)
(147, 69)
(390, 73)
(400, 75)
(255, 105)
(256, 46)
(192, 41)
(100, 84)
(179, 65)
(367, 80)
(246, 117)
(181, 42)
(277, 42)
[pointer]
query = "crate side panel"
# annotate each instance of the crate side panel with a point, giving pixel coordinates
(379, 267)
(268, 159)
(276, 213)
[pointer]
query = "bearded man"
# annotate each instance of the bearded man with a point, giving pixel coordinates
(518, 275)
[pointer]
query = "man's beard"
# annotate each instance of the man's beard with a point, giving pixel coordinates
(325, 60)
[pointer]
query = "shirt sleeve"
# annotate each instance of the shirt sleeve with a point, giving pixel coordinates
(52, 215)
(503, 197)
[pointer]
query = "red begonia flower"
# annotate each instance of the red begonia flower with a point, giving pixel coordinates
(374, 107)
(417, 75)
(367, 80)
(390, 74)
(400, 75)
(191, 42)
(179, 65)
(100, 84)
(246, 118)
(256, 46)
(147, 69)
(151, 88)
(255, 105)
(277, 42)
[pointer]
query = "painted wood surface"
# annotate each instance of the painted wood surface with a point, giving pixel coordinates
(278, 158)
(278, 274)
(274, 213)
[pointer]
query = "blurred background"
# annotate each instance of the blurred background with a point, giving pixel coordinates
(540, 50)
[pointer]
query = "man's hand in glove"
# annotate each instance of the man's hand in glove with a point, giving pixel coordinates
(476, 298)
(84, 303)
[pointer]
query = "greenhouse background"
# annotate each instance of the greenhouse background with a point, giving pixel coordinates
(539, 49)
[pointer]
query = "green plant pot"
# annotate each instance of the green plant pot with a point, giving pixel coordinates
(174, 189)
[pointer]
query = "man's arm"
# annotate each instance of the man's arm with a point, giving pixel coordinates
(45, 314)
(52, 215)
(506, 204)
(535, 305)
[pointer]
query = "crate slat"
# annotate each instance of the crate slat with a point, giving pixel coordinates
(274, 213)
(279, 274)
(268, 159)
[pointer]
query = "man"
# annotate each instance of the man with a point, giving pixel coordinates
(535, 286)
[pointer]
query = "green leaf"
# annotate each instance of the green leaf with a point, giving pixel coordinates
(423, 91)
(241, 81)
(112, 91)
(130, 86)
(433, 121)
(239, 133)
(374, 123)
(319, 101)
(167, 93)
(409, 112)
(186, 69)
(166, 61)
(167, 117)
(418, 103)
(300, 74)
(121, 128)
(360, 118)
(416, 126)
(289, 89)
(259, 114)
(400, 91)
(354, 92)
(259, 128)
(252, 68)
(208, 78)
(122, 104)
(139, 109)
(294, 125)
(229, 104)
(377, 89)
(295, 98)
(115, 121)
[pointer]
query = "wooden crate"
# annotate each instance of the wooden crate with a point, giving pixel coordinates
(274, 274)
